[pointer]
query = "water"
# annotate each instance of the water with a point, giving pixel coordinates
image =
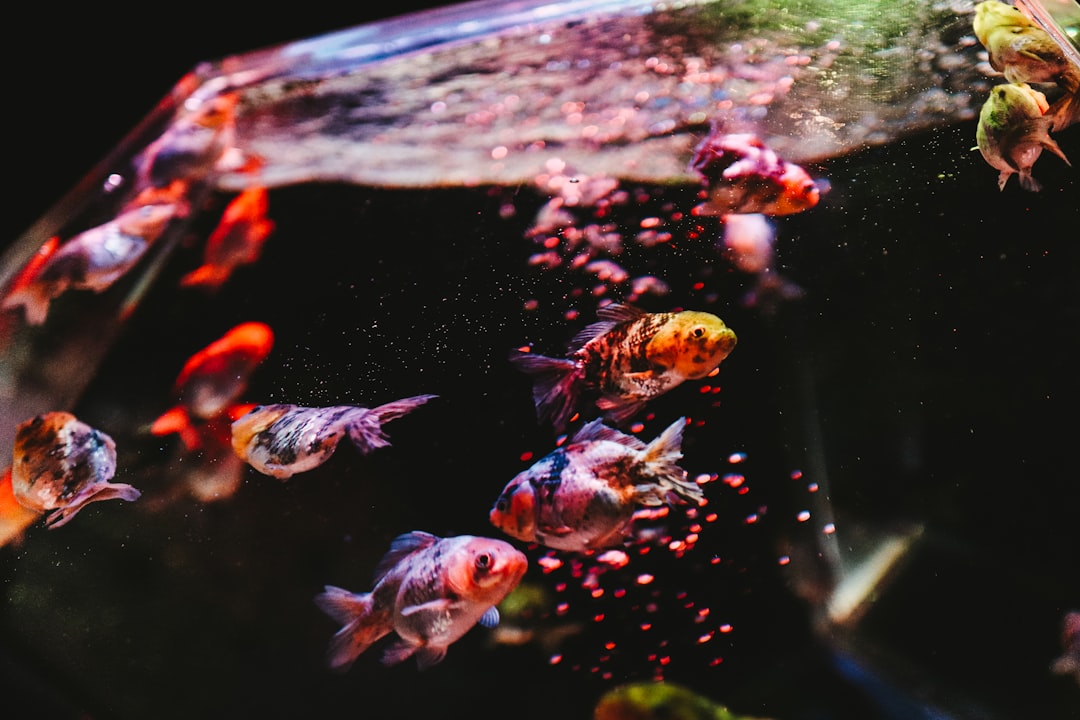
(921, 387)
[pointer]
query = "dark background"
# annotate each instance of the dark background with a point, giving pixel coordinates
(82, 78)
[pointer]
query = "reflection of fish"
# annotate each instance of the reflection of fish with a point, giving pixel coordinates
(237, 240)
(61, 464)
(281, 440)
(428, 590)
(745, 176)
(1013, 131)
(193, 146)
(630, 357)
(213, 379)
(527, 615)
(1069, 662)
(93, 259)
(583, 496)
(659, 701)
(749, 241)
(1020, 49)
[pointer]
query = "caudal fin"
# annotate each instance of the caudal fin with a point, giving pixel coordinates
(661, 458)
(365, 426)
(361, 626)
(557, 384)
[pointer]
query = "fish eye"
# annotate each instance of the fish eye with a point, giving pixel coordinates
(483, 561)
(501, 504)
(698, 332)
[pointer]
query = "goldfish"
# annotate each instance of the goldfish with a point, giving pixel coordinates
(583, 495)
(630, 357)
(428, 590)
(213, 379)
(1024, 52)
(1013, 131)
(282, 440)
(1069, 662)
(62, 464)
(743, 175)
(92, 260)
(237, 239)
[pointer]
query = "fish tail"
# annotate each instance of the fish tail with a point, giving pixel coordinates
(365, 427)
(361, 625)
(557, 384)
(661, 458)
(95, 493)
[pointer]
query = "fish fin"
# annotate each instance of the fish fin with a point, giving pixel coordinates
(1050, 144)
(607, 317)
(596, 430)
(438, 605)
(398, 652)
(619, 408)
(430, 655)
(34, 300)
(401, 547)
(1027, 181)
(557, 384)
(661, 457)
(365, 428)
(1003, 177)
(490, 618)
(93, 493)
(1065, 111)
(361, 626)
(177, 420)
(208, 275)
(556, 530)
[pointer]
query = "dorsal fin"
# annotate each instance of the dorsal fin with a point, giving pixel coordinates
(607, 317)
(401, 547)
(596, 430)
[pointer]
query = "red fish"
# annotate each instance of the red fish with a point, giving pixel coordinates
(742, 175)
(428, 590)
(213, 379)
(237, 240)
(63, 464)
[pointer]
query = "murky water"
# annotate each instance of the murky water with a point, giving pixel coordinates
(921, 386)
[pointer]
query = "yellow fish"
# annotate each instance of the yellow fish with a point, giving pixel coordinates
(1013, 131)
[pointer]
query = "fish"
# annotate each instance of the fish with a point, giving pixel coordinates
(1019, 48)
(742, 175)
(660, 701)
(628, 356)
(237, 240)
(1013, 131)
(213, 379)
(92, 260)
(282, 440)
(1069, 661)
(195, 146)
(583, 496)
(749, 242)
(428, 590)
(14, 518)
(62, 464)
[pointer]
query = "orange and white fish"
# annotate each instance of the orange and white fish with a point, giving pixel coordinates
(237, 240)
(1013, 131)
(583, 496)
(92, 260)
(282, 440)
(429, 591)
(629, 357)
(62, 464)
(213, 379)
(743, 175)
